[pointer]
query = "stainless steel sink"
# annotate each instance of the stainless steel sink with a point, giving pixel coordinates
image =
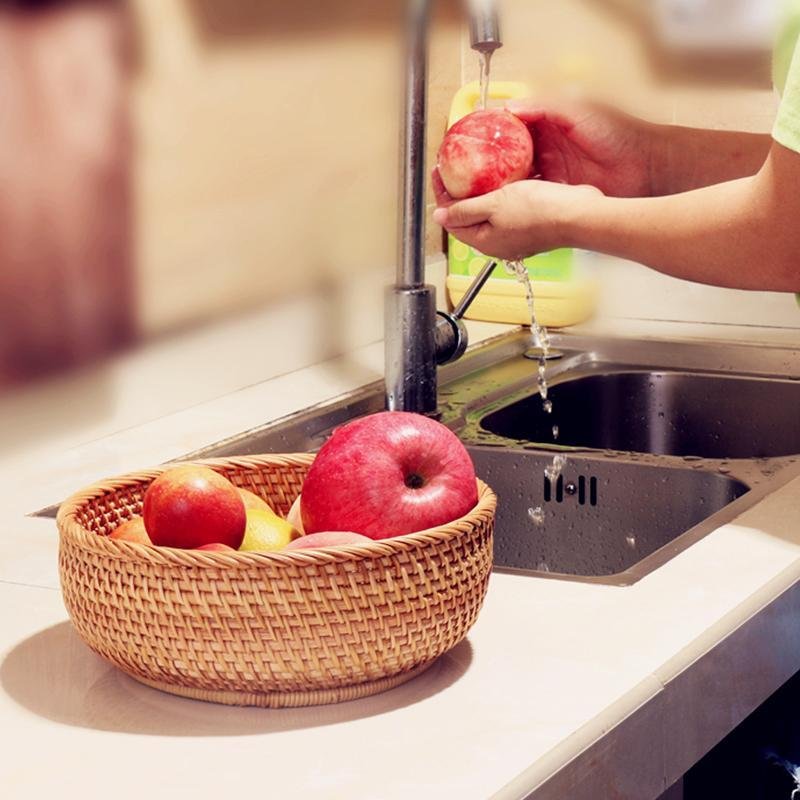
(668, 413)
(637, 487)
(599, 517)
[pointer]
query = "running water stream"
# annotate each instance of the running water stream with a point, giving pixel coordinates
(539, 334)
(486, 68)
(541, 345)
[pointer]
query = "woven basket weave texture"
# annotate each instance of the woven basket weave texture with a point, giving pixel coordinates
(269, 629)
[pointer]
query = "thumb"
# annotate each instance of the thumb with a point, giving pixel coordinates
(465, 213)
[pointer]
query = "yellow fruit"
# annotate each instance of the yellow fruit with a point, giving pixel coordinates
(252, 500)
(266, 532)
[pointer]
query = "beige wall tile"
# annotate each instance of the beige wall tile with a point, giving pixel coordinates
(266, 165)
(445, 80)
(733, 109)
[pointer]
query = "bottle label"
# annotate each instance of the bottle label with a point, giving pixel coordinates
(556, 265)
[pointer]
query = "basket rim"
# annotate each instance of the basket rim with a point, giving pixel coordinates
(72, 532)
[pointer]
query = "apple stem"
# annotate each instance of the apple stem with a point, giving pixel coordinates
(414, 481)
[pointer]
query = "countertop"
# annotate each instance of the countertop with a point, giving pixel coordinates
(565, 689)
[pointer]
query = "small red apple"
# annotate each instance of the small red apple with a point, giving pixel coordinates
(387, 475)
(191, 506)
(484, 151)
(131, 530)
(216, 547)
(327, 539)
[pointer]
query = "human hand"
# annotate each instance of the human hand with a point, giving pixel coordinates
(515, 222)
(584, 143)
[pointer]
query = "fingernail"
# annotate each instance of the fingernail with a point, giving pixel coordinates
(440, 216)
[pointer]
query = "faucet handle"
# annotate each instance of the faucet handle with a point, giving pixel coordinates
(475, 287)
(451, 333)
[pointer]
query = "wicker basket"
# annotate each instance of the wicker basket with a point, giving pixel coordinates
(269, 629)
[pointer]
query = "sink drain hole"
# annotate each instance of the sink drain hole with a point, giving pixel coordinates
(558, 494)
(561, 489)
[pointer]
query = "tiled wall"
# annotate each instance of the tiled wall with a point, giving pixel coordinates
(268, 146)
(267, 162)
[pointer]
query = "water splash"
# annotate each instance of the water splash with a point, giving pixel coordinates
(553, 471)
(792, 769)
(536, 516)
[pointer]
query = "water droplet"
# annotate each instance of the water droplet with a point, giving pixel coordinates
(553, 471)
(536, 515)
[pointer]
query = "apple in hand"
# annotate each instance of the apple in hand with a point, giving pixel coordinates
(131, 530)
(484, 151)
(191, 506)
(387, 475)
(327, 539)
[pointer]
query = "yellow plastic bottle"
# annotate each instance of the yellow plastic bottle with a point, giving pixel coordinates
(563, 294)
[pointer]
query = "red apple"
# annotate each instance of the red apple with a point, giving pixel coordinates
(484, 151)
(327, 539)
(131, 530)
(191, 506)
(386, 475)
(216, 547)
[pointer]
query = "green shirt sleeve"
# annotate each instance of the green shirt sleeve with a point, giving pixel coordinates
(787, 124)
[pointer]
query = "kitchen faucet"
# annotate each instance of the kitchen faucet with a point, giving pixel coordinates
(418, 338)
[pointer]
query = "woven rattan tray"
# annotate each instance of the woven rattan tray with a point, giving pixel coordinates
(269, 629)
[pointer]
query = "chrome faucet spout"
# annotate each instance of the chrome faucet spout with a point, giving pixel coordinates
(484, 26)
(413, 346)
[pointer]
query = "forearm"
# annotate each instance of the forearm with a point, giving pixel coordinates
(683, 159)
(731, 234)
